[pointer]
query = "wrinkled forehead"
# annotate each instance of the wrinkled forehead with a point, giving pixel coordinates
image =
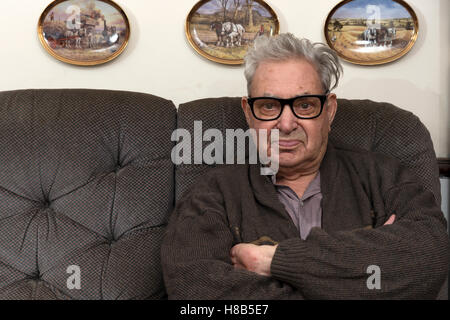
(295, 76)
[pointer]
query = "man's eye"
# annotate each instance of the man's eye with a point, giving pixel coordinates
(305, 105)
(269, 106)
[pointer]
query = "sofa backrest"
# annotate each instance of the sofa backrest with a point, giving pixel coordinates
(87, 182)
(86, 186)
(365, 124)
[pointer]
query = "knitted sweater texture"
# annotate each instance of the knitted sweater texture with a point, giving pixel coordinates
(361, 190)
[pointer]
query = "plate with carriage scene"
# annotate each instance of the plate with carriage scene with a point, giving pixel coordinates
(371, 32)
(84, 32)
(223, 30)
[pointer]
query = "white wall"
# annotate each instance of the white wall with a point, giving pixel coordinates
(159, 60)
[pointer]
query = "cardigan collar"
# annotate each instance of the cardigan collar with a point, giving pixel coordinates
(266, 194)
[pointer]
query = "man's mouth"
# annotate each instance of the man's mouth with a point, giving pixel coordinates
(289, 144)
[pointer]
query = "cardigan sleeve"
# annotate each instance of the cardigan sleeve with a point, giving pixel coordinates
(409, 258)
(195, 254)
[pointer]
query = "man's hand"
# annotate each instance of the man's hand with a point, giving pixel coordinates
(253, 258)
(259, 258)
(390, 220)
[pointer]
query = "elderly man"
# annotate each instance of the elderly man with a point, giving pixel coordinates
(332, 223)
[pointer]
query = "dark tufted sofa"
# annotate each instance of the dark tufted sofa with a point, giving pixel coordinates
(87, 182)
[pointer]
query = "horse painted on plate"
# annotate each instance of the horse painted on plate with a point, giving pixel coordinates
(379, 36)
(228, 33)
(68, 35)
(370, 36)
(218, 28)
(234, 33)
(389, 35)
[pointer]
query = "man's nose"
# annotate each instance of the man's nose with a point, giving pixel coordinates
(287, 122)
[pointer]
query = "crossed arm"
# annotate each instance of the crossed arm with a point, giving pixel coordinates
(196, 262)
(201, 260)
(257, 259)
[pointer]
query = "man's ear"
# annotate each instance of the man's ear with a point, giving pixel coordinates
(246, 108)
(331, 107)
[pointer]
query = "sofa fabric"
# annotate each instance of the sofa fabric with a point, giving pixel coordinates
(87, 182)
(365, 124)
(214, 113)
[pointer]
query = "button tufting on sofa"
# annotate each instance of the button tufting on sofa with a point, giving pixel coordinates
(103, 161)
(63, 205)
(46, 204)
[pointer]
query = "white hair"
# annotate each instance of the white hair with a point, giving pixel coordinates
(286, 46)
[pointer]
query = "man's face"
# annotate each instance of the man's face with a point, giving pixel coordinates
(302, 142)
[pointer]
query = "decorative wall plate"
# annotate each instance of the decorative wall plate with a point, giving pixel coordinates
(222, 31)
(84, 32)
(371, 32)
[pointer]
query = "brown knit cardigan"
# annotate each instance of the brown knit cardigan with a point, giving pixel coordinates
(360, 189)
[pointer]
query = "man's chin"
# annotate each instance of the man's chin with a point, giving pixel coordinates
(289, 161)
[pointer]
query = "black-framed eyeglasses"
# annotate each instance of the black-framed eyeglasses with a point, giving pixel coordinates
(303, 107)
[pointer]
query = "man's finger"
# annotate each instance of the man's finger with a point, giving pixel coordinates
(239, 266)
(390, 220)
(234, 251)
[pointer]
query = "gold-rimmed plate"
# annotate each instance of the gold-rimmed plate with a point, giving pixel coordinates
(371, 32)
(222, 31)
(84, 32)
